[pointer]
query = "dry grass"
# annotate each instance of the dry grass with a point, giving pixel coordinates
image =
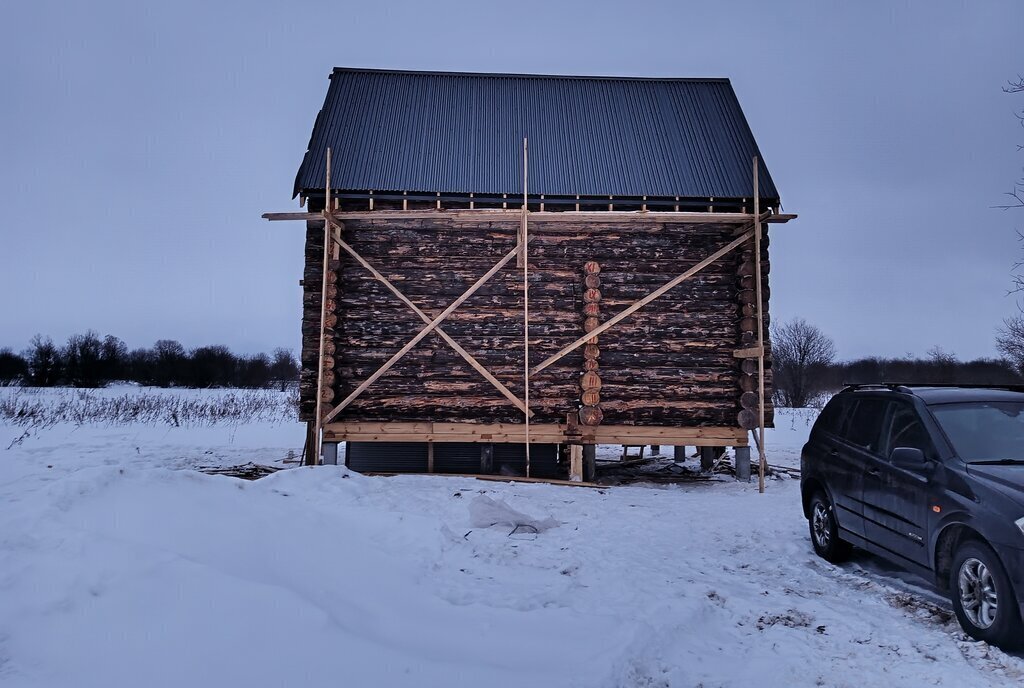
(42, 408)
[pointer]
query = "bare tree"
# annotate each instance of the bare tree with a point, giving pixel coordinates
(801, 354)
(82, 360)
(1017, 194)
(284, 369)
(941, 357)
(13, 368)
(44, 362)
(1010, 340)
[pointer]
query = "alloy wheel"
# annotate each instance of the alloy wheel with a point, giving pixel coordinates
(820, 523)
(978, 593)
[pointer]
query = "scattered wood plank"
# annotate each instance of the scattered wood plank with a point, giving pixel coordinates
(493, 478)
(246, 471)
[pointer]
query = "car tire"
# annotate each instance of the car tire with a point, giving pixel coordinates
(977, 582)
(825, 530)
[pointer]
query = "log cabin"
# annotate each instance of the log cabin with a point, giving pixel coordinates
(504, 270)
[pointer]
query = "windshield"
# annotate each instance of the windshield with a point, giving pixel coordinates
(984, 430)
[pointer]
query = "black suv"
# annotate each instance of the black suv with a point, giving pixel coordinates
(931, 478)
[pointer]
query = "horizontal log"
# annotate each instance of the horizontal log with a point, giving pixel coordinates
(672, 383)
(707, 349)
(669, 307)
(635, 268)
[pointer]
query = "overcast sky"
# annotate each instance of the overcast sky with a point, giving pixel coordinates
(140, 142)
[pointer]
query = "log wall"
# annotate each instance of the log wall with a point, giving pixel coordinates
(670, 364)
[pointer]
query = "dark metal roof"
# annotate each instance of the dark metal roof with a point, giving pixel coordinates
(463, 133)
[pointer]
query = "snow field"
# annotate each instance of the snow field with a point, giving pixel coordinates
(118, 566)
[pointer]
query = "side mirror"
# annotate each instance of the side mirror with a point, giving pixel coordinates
(909, 458)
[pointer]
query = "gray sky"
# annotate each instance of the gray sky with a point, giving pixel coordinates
(140, 141)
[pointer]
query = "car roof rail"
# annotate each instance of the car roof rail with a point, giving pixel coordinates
(1012, 387)
(891, 386)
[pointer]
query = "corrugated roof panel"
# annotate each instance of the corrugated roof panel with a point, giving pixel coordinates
(592, 136)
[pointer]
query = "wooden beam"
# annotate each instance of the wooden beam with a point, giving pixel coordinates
(526, 300)
(547, 433)
(423, 333)
(752, 352)
(576, 463)
(476, 365)
(512, 215)
(759, 315)
(318, 435)
(622, 315)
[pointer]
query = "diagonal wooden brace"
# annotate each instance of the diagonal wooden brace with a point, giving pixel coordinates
(430, 327)
(476, 365)
(646, 300)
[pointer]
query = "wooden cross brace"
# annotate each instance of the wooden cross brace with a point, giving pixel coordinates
(628, 311)
(432, 325)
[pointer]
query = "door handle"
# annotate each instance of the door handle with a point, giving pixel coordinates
(874, 472)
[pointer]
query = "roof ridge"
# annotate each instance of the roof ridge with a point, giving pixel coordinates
(510, 75)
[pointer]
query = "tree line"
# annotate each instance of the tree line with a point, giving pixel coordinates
(88, 360)
(806, 373)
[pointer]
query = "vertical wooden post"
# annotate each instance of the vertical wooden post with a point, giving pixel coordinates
(430, 456)
(318, 434)
(759, 314)
(707, 458)
(486, 458)
(589, 462)
(576, 463)
(526, 307)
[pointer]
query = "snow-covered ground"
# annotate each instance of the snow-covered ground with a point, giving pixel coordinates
(119, 566)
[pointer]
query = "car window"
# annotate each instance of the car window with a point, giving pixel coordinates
(984, 430)
(832, 416)
(907, 430)
(865, 426)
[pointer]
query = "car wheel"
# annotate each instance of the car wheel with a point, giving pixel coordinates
(825, 530)
(983, 598)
